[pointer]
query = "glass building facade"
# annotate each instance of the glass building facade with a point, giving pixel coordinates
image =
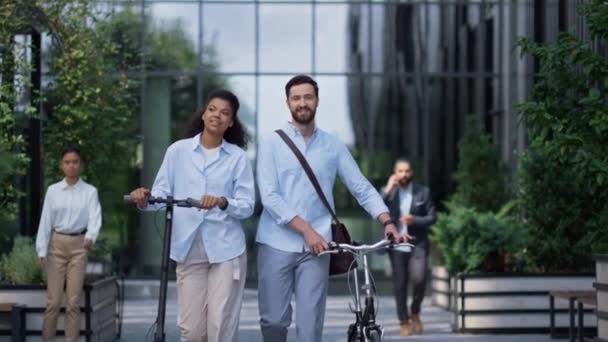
(396, 78)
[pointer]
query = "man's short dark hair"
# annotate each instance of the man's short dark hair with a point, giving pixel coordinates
(403, 160)
(301, 79)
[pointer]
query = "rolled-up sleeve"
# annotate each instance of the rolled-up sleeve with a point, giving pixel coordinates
(240, 203)
(358, 185)
(44, 228)
(268, 183)
(94, 223)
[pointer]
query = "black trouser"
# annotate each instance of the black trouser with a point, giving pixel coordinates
(410, 266)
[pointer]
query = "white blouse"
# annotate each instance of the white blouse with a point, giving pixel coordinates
(68, 209)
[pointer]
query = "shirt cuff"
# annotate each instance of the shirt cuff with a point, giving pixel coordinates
(91, 237)
(229, 206)
(285, 219)
(377, 210)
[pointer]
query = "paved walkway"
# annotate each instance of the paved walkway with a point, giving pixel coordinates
(140, 314)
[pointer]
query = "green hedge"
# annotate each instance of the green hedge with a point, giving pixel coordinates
(473, 241)
(20, 266)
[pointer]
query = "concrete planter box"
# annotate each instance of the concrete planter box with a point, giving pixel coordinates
(441, 290)
(601, 286)
(98, 308)
(99, 268)
(513, 302)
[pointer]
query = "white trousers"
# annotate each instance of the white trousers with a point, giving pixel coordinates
(209, 298)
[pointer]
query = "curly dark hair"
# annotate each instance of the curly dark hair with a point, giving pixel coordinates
(237, 134)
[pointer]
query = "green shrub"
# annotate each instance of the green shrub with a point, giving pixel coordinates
(564, 173)
(473, 241)
(20, 266)
(481, 174)
(101, 250)
(471, 236)
(567, 221)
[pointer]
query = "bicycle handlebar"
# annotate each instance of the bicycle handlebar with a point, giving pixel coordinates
(363, 249)
(186, 203)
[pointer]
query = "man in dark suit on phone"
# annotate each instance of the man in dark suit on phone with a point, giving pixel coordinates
(410, 204)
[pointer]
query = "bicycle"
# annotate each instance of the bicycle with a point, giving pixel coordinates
(365, 328)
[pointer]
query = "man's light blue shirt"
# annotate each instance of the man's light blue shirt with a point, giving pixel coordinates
(184, 173)
(287, 192)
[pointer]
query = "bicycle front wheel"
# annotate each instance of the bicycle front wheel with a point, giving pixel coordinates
(374, 336)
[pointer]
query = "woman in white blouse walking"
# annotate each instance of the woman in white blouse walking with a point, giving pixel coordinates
(69, 225)
(208, 245)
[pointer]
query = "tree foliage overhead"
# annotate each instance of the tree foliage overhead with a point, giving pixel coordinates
(13, 84)
(92, 102)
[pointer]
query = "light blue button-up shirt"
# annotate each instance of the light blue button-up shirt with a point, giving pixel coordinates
(287, 192)
(184, 173)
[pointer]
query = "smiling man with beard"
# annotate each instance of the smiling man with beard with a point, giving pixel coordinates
(295, 226)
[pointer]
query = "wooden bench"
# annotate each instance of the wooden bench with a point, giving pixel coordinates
(576, 301)
(6, 307)
(17, 312)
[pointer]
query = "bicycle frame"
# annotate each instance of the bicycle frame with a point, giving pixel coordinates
(365, 320)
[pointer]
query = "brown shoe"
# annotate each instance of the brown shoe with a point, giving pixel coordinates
(417, 326)
(406, 328)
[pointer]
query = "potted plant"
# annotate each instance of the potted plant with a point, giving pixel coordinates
(100, 257)
(480, 185)
(561, 191)
(601, 286)
(563, 174)
(491, 281)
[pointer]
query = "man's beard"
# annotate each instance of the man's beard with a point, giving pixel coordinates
(304, 120)
(405, 181)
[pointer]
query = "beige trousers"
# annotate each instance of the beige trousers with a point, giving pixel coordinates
(209, 298)
(65, 267)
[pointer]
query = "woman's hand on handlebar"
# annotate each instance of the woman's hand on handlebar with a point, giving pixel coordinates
(140, 197)
(210, 202)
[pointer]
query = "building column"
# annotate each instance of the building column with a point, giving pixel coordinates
(156, 125)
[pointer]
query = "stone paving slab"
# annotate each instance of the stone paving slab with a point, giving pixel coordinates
(140, 314)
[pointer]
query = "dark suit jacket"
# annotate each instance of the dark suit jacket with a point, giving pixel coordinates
(422, 209)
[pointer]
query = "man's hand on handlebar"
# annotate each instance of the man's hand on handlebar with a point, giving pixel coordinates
(391, 232)
(140, 197)
(315, 242)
